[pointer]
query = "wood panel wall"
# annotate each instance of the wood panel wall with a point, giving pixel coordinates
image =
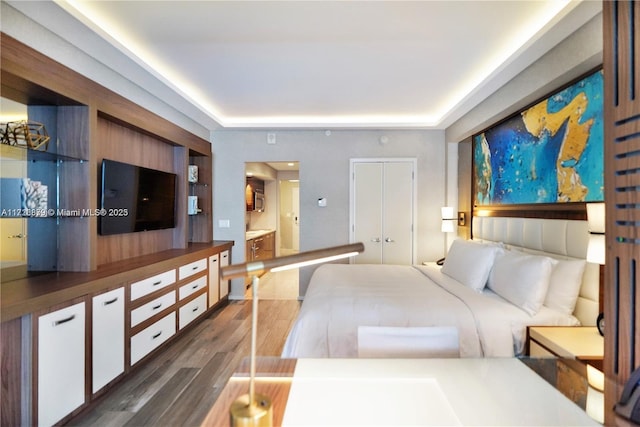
(621, 21)
(122, 144)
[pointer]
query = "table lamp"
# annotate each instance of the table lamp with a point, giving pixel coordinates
(255, 409)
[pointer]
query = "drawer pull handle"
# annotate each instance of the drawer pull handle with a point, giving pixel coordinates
(110, 301)
(157, 283)
(155, 307)
(194, 268)
(195, 309)
(194, 287)
(156, 335)
(68, 319)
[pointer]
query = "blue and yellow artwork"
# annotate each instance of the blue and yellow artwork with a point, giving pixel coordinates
(552, 152)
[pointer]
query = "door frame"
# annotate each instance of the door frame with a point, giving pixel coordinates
(414, 227)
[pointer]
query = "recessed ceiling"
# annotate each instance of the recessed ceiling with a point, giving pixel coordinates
(324, 64)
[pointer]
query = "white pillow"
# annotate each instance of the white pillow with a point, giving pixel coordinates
(564, 285)
(521, 279)
(470, 263)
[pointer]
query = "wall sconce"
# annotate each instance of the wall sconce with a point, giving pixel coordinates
(596, 223)
(448, 219)
(462, 219)
(254, 409)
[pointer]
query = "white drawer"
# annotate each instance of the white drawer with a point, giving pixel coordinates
(191, 310)
(192, 287)
(192, 268)
(151, 284)
(150, 338)
(152, 308)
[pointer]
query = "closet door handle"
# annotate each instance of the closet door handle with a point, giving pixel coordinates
(110, 301)
(61, 321)
(376, 240)
(389, 240)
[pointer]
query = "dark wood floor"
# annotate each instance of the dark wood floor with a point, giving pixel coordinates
(179, 385)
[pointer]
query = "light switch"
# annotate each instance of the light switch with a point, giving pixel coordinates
(322, 202)
(224, 223)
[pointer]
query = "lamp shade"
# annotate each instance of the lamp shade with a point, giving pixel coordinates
(596, 249)
(596, 217)
(448, 225)
(447, 212)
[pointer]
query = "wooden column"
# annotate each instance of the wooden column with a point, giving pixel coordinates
(622, 179)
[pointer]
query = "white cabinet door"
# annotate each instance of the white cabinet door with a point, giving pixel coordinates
(214, 279)
(224, 284)
(61, 357)
(382, 211)
(107, 342)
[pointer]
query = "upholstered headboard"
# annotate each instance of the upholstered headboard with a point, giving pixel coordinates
(557, 238)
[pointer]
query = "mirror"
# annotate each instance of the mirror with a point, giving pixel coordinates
(13, 228)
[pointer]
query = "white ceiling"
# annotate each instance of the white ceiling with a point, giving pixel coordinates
(327, 64)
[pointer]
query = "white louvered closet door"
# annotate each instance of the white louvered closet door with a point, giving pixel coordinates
(382, 211)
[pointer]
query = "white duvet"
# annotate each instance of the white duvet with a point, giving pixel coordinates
(341, 297)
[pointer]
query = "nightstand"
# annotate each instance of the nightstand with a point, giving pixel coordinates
(570, 358)
(581, 343)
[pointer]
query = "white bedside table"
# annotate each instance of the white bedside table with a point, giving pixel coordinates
(579, 354)
(582, 343)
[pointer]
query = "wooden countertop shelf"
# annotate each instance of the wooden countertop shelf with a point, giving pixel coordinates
(31, 294)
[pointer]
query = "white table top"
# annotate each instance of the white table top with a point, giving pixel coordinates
(481, 392)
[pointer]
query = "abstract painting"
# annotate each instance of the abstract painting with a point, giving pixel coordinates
(551, 152)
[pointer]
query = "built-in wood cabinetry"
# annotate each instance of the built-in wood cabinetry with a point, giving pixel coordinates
(111, 302)
(261, 247)
(89, 123)
(85, 344)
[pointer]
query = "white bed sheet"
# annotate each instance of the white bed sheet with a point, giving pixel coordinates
(341, 297)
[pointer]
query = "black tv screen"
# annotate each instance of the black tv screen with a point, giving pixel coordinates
(133, 198)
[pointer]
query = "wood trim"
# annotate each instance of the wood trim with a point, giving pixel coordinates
(621, 32)
(28, 76)
(11, 362)
(573, 211)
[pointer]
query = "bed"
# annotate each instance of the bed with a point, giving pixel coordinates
(517, 272)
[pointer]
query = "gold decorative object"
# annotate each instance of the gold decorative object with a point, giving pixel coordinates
(32, 134)
(253, 409)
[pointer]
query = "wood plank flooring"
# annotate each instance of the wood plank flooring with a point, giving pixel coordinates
(179, 385)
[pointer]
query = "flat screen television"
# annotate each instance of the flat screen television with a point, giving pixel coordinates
(133, 198)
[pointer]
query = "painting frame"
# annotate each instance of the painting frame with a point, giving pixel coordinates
(547, 155)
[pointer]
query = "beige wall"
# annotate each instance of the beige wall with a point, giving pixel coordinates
(324, 172)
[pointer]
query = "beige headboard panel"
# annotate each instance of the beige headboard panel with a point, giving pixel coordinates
(557, 238)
